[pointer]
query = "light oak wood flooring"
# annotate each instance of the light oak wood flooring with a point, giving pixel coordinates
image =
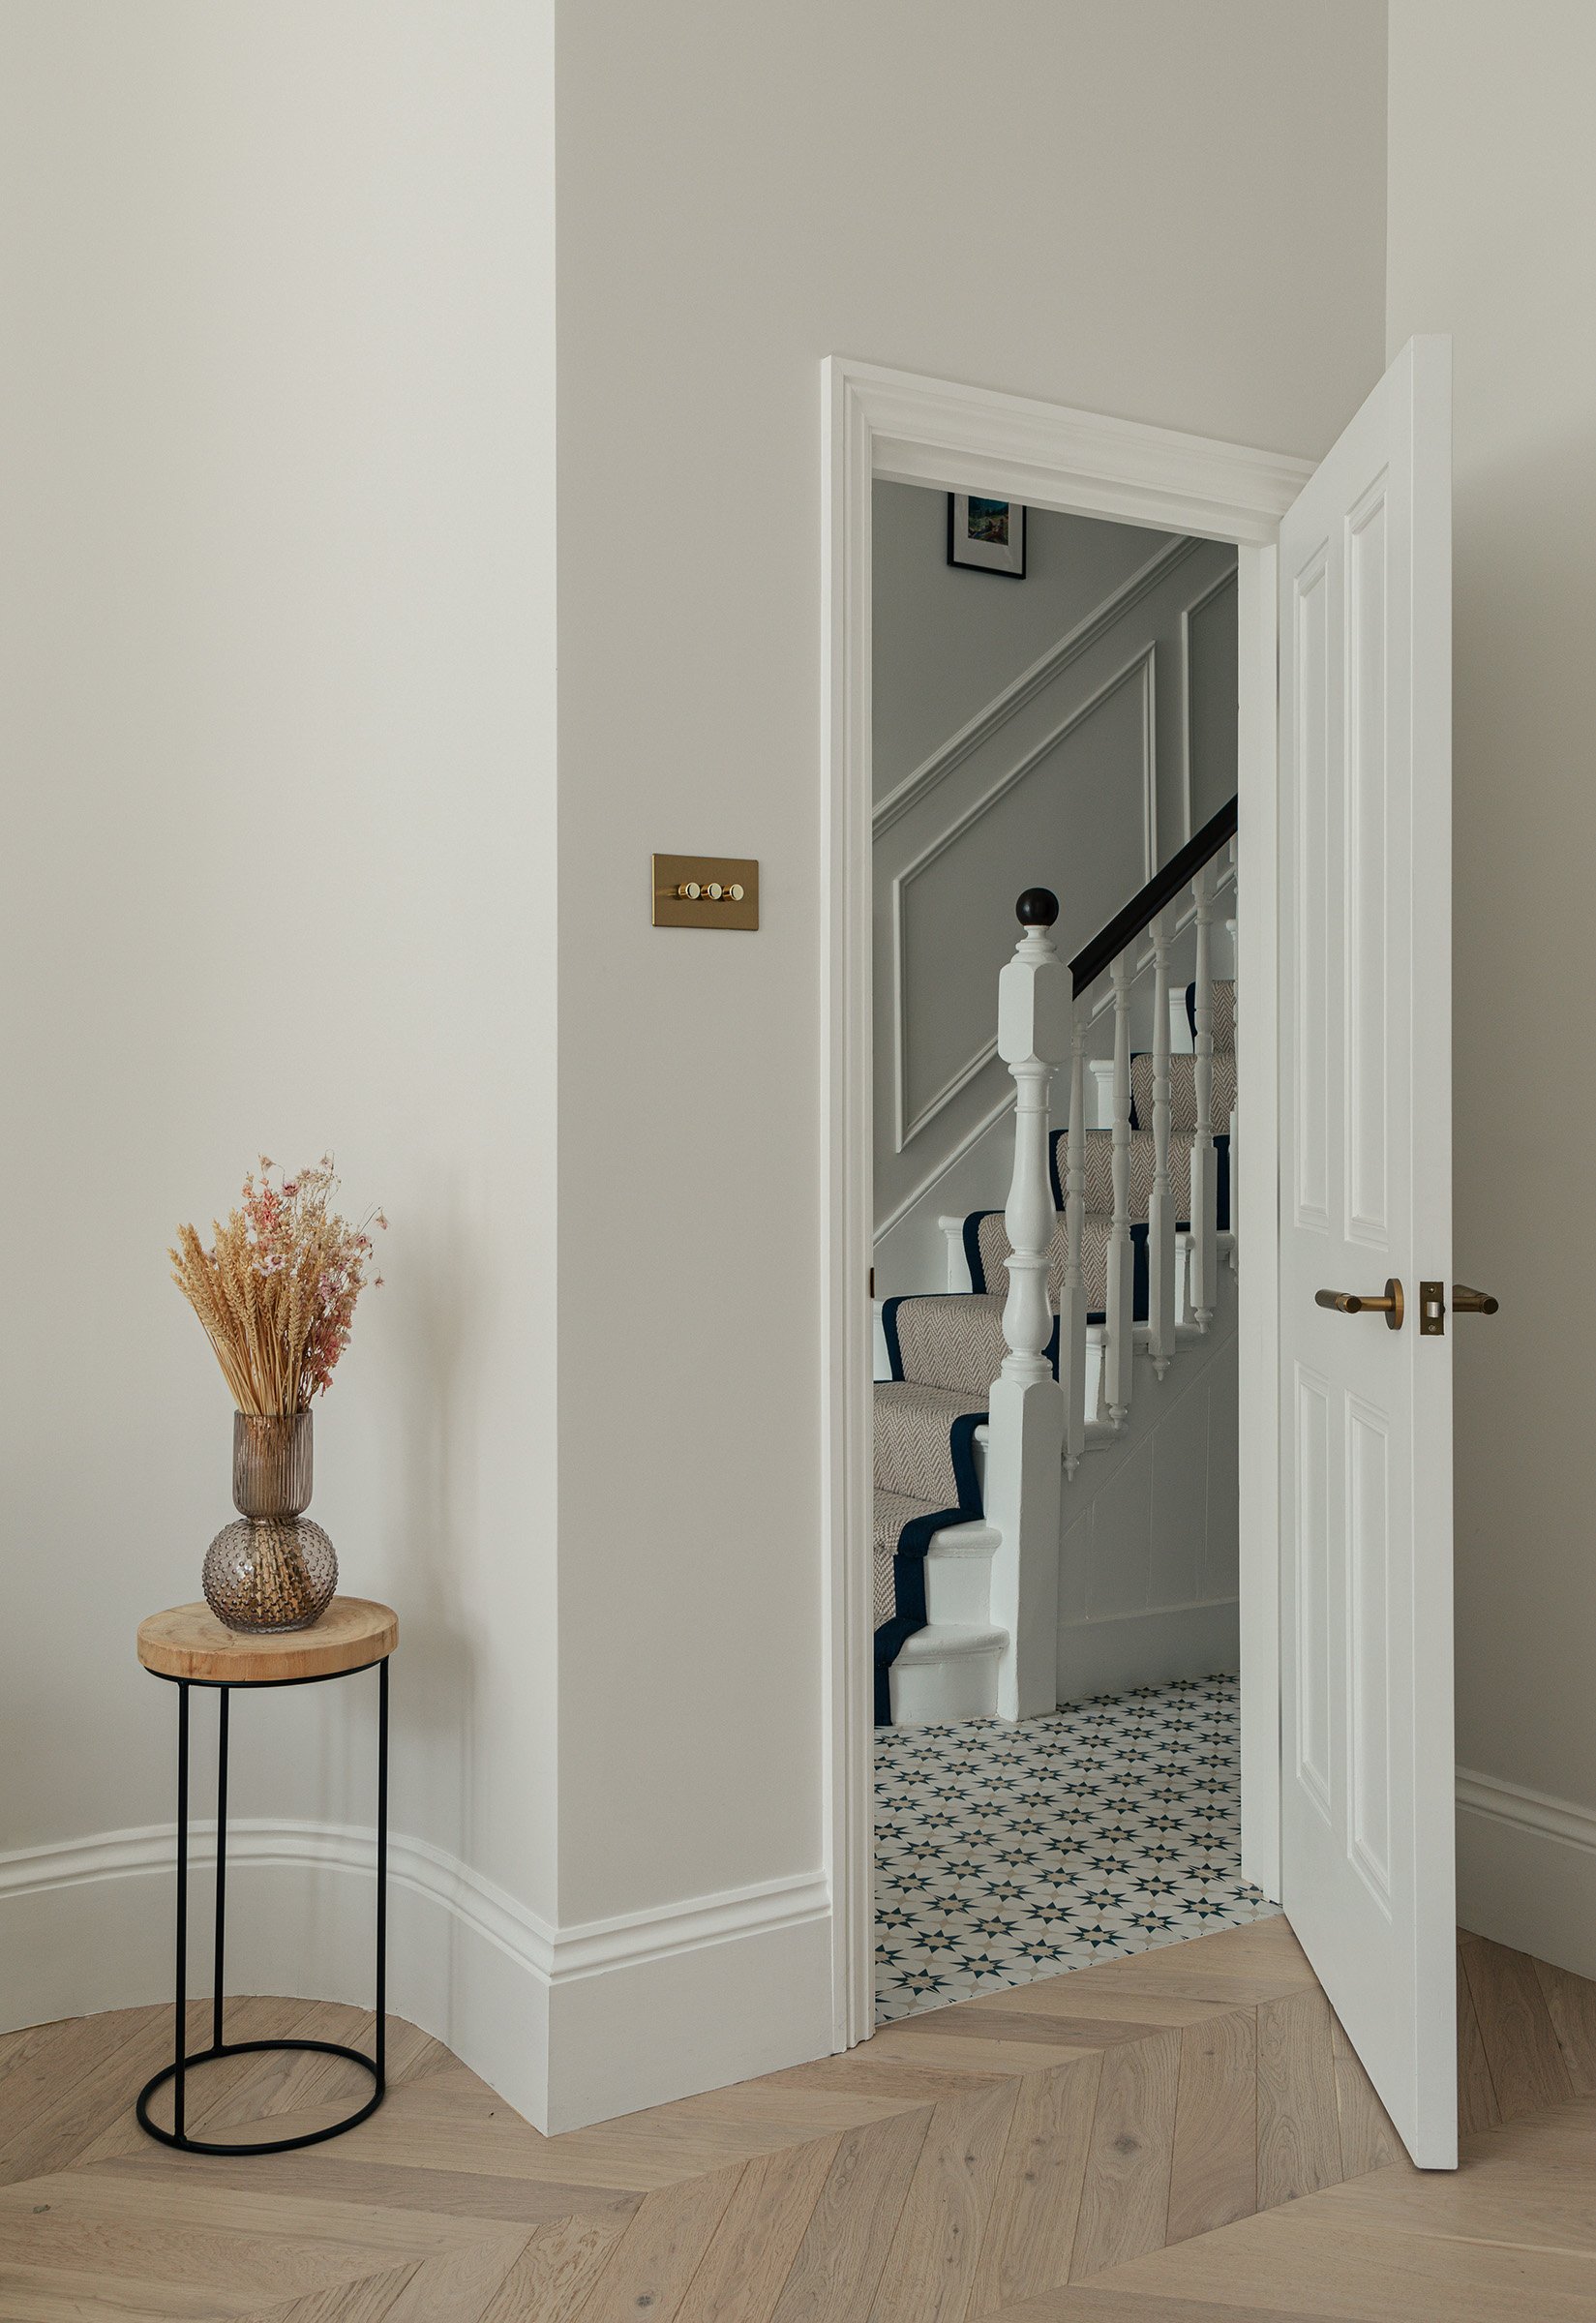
(1180, 2135)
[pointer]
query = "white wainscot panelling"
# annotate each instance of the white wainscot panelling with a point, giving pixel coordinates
(1148, 1559)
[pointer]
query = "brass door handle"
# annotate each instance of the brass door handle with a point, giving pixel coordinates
(1357, 1302)
(1472, 1302)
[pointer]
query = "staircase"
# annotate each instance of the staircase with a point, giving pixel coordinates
(1111, 1249)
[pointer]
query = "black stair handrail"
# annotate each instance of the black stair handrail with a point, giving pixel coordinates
(1178, 872)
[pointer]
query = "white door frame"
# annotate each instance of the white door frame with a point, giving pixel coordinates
(909, 430)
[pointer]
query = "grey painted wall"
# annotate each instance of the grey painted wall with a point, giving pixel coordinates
(947, 639)
(1118, 742)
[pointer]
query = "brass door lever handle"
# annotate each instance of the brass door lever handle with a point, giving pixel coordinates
(1355, 1302)
(1472, 1302)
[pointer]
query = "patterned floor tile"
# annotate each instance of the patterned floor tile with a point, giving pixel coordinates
(1010, 1851)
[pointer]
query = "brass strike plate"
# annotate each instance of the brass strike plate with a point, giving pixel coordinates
(1431, 1309)
(705, 891)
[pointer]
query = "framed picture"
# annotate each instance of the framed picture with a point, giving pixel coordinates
(988, 535)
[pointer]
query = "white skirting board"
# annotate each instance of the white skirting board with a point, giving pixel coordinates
(1147, 1649)
(570, 2026)
(1526, 1871)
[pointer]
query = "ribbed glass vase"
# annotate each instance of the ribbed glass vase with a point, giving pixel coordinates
(274, 1569)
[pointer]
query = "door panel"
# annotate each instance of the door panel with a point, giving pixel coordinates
(1365, 1018)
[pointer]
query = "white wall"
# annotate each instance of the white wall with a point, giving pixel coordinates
(277, 439)
(280, 558)
(742, 193)
(1491, 231)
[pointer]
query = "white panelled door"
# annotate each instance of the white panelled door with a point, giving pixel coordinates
(1367, 1868)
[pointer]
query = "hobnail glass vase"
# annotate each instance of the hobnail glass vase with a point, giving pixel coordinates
(273, 1569)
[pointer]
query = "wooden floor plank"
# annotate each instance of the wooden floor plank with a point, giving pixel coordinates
(1299, 2133)
(978, 2051)
(371, 2299)
(901, 2077)
(41, 2294)
(1300, 2255)
(751, 2253)
(1083, 2303)
(48, 2123)
(327, 2173)
(1058, 2026)
(556, 2268)
(656, 2256)
(839, 2261)
(1369, 2136)
(218, 2094)
(1214, 2172)
(1570, 2004)
(1527, 2067)
(1125, 2195)
(1477, 2107)
(457, 2286)
(1149, 2008)
(1030, 2231)
(930, 2269)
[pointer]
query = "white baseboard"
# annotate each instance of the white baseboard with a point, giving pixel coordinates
(1147, 1649)
(570, 2024)
(1526, 1870)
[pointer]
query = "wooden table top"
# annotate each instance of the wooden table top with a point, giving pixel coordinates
(188, 1640)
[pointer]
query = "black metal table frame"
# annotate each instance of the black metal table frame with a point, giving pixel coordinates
(182, 2061)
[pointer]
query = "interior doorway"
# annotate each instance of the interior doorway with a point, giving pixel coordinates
(894, 428)
(1054, 707)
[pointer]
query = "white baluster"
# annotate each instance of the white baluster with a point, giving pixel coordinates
(1073, 1302)
(1235, 1000)
(1204, 1173)
(1161, 1211)
(1025, 1407)
(1119, 1354)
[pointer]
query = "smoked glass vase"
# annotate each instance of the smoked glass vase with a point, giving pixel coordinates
(273, 1569)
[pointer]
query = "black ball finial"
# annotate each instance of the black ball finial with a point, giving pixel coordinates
(1037, 907)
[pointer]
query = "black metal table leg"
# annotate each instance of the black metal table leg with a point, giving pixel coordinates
(182, 2059)
(181, 2039)
(382, 1878)
(221, 1863)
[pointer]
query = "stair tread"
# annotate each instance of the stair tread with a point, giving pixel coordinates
(950, 1339)
(921, 1449)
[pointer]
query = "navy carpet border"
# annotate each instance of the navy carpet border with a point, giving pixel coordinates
(909, 1557)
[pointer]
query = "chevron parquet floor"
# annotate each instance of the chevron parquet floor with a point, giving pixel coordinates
(1177, 2137)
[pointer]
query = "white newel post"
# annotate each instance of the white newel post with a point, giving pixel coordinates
(1205, 1188)
(1161, 1208)
(1119, 1354)
(1072, 1304)
(1026, 1409)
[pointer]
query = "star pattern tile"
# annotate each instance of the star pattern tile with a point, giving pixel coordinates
(1008, 1851)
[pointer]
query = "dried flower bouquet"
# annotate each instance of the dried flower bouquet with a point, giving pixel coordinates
(277, 1292)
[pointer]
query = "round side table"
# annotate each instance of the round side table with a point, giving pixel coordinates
(189, 1646)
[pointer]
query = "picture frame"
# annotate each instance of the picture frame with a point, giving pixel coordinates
(989, 536)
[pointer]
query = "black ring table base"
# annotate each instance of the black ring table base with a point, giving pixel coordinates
(273, 2145)
(184, 2061)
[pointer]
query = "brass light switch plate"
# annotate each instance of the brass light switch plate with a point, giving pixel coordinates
(705, 891)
